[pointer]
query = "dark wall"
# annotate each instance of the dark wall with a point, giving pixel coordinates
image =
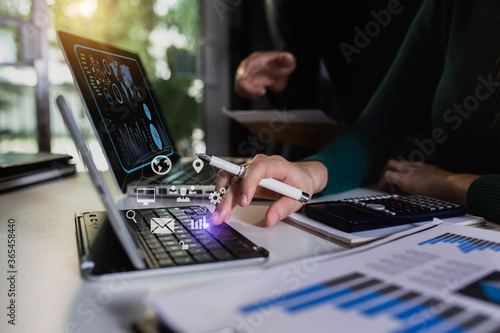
(343, 50)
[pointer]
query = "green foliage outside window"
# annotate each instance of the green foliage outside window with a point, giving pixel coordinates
(163, 32)
(134, 25)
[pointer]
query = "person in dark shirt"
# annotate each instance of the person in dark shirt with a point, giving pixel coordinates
(356, 40)
(449, 65)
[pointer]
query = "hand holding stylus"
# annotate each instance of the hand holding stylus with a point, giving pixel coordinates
(310, 177)
(269, 183)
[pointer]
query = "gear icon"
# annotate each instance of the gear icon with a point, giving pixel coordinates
(222, 190)
(215, 197)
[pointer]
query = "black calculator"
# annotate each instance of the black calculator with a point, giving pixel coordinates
(380, 211)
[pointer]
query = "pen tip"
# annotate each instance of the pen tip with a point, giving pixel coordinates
(204, 157)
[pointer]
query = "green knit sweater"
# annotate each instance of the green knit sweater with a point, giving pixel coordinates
(448, 66)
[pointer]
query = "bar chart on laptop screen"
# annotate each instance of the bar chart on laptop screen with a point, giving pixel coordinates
(128, 114)
(371, 298)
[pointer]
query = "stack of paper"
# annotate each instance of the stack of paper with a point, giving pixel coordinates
(433, 278)
(300, 220)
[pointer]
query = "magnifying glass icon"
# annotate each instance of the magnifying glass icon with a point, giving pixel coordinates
(131, 215)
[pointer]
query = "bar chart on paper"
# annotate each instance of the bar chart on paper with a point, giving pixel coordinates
(371, 297)
(463, 243)
(437, 278)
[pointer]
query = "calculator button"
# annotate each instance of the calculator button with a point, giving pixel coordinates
(375, 206)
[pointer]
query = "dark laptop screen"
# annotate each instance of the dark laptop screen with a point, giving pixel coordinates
(121, 105)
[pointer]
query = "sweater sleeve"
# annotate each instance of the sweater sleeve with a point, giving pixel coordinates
(483, 197)
(405, 93)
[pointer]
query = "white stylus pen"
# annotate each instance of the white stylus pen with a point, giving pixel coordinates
(269, 183)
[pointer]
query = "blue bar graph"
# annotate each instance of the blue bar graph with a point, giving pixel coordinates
(392, 303)
(370, 297)
(359, 300)
(463, 243)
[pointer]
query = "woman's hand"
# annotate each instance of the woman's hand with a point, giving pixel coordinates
(261, 70)
(427, 180)
(310, 177)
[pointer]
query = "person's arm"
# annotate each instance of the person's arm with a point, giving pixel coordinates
(391, 113)
(483, 197)
(347, 161)
(310, 177)
(427, 180)
(480, 194)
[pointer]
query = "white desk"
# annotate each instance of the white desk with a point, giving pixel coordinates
(51, 295)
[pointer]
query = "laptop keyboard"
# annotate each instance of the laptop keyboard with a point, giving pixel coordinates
(180, 178)
(182, 236)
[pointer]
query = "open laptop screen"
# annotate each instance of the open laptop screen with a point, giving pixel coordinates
(120, 104)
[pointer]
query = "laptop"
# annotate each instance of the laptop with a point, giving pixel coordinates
(151, 241)
(129, 123)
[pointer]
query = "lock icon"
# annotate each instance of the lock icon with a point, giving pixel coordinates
(183, 246)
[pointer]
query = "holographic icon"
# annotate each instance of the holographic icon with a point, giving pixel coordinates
(161, 165)
(183, 197)
(200, 223)
(216, 197)
(131, 215)
(198, 165)
(161, 225)
(149, 191)
(183, 246)
(192, 190)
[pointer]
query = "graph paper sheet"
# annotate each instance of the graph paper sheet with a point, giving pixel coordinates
(442, 278)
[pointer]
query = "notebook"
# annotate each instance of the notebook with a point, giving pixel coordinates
(129, 123)
(22, 169)
(151, 241)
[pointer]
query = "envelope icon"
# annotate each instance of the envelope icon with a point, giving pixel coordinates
(163, 225)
